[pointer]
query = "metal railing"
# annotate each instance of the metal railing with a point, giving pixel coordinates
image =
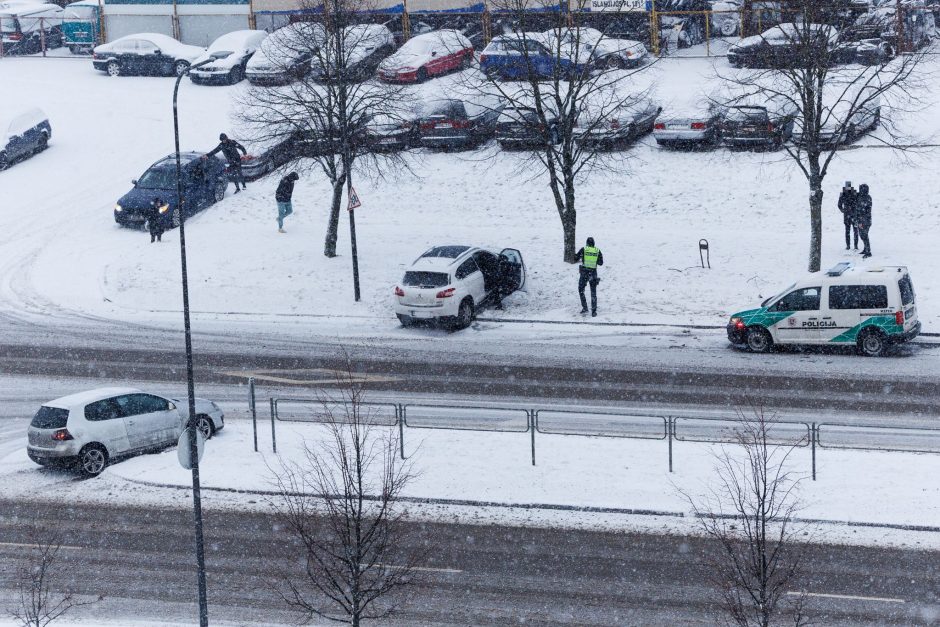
(613, 423)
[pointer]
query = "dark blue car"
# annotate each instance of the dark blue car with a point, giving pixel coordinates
(26, 134)
(509, 57)
(203, 183)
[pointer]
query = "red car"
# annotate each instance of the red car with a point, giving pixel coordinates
(424, 56)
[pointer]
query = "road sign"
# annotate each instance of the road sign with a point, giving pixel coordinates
(354, 202)
(182, 448)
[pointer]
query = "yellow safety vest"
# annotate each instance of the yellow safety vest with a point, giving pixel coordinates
(589, 259)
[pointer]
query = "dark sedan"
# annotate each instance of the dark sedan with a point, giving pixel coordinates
(520, 128)
(203, 183)
(27, 134)
(753, 126)
(148, 54)
(785, 46)
(457, 124)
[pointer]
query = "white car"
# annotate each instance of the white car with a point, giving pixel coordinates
(89, 429)
(229, 55)
(285, 54)
(603, 50)
(450, 284)
(150, 54)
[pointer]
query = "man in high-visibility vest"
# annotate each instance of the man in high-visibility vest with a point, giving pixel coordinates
(590, 257)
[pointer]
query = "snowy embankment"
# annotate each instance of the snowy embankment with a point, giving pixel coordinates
(61, 253)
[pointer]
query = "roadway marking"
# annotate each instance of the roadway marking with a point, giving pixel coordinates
(424, 569)
(20, 545)
(847, 597)
(326, 376)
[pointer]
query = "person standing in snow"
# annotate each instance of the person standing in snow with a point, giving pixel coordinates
(155, 220)
(863, 217)
(590, 257)
(285, 190)
(229, 149)
(847, 200)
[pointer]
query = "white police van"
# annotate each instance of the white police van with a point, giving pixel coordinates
(870, 307)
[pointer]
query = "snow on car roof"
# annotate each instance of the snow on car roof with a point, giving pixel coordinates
(235, 40)
(80, 399)
(25, 120)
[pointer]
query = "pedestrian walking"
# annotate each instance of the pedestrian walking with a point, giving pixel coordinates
(155, 219)
(847, 201)
(229, 149)
(590, 257)
(863, 217)
(283, 195)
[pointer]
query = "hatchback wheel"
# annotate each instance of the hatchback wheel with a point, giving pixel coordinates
(758, 340)
(114, 68)
(205, 426)
(220, 187)
(872, 343)
(92, 460)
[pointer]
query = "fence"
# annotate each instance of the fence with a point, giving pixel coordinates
(672, 430)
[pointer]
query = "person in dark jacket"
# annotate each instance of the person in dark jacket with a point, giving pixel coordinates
(847, 201)
(229, 149)
(283, 195)
(863, 217)
(155, 219)
(590, 257)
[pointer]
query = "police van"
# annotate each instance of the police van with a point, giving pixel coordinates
(870, 307)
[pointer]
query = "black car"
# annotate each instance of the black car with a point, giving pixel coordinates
(27, 134)
(757, 126)
(520, 128)
(147, 54)
(785, 46)
(615, 129)
(454, 124)
(203, 184)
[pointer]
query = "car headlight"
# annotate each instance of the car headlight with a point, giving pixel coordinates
(164, 208)
(118, 207)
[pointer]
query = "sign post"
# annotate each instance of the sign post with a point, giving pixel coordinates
(353, 204)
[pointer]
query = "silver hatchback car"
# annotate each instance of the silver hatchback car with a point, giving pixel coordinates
(88, 429)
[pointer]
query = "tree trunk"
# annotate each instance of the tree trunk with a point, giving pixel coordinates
(332, 228)
(815, 218)
(569, 219)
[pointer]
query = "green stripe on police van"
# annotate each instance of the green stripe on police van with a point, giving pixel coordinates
(887, 324)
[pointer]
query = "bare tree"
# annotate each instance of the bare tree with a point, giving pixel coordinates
(38, 603)
(326, 113)
(757, 563)
(341, 504)
(831, 95)
(574, 86)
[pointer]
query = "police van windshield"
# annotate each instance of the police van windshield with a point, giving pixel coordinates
(778, 295)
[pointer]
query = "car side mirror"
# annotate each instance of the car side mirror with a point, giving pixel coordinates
(134, 182)
(434, 53)
(172, 406)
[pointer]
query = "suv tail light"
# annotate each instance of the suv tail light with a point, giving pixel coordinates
(447, 293)
(399, 291)
(698, 126)
(615, 124)
(899, 318)
(659, 126)
(61, 435)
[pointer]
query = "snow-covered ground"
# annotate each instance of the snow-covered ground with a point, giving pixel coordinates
(61, 253)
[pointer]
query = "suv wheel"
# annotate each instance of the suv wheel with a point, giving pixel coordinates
(405, 320)
(114, 68)
(220, 188)
(464, 314)
(872, 343)
(92, 460)
(758, 340)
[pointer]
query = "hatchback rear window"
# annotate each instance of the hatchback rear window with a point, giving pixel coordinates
(447, 108)
(907, 290)
(426, 279)
(858, 297)
(751, 115)
(50, 418)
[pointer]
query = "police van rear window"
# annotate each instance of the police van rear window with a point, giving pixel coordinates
(858, 297)
(907, 290)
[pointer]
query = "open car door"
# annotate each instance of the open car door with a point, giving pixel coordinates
(514, 268)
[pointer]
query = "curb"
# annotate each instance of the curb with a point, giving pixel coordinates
(555, 507)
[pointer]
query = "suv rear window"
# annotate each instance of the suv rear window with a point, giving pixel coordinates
(907, 290)
(50, 418)
(858, 297)
(426, 279)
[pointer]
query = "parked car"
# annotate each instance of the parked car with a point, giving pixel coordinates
(693, 124)
(611, 129)
(450, 284)
(519, 127)
(415, 29)
(458, 123)
(590, 44)
(784, 46)
(26, 28)
(266, 156)
(148, 54)
(203, 183)
(843, 121)
(758, 122)
(81, 30)
(516, 56)
(89, 430)
(365, 46)
(284, 56)
(424, 56)
(681, 31)
(229, 55)
(26, 134)
(390, 132)
(869, 308)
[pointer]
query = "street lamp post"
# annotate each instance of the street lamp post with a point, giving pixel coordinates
(190, 384)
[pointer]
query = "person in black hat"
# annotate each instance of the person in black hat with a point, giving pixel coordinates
(155, 219)
(283, 195)
(863, 217)
(229, 149)
(847, 200)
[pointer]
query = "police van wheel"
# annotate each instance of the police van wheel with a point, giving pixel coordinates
(872, 344)
(758, 340)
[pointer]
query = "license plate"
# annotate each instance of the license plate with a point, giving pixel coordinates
(444, 125)
(421, 314)
(678, 126)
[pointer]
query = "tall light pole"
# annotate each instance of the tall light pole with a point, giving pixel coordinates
(190, 384)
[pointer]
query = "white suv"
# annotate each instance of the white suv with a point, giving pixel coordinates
(451, 283)
(90, 428)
